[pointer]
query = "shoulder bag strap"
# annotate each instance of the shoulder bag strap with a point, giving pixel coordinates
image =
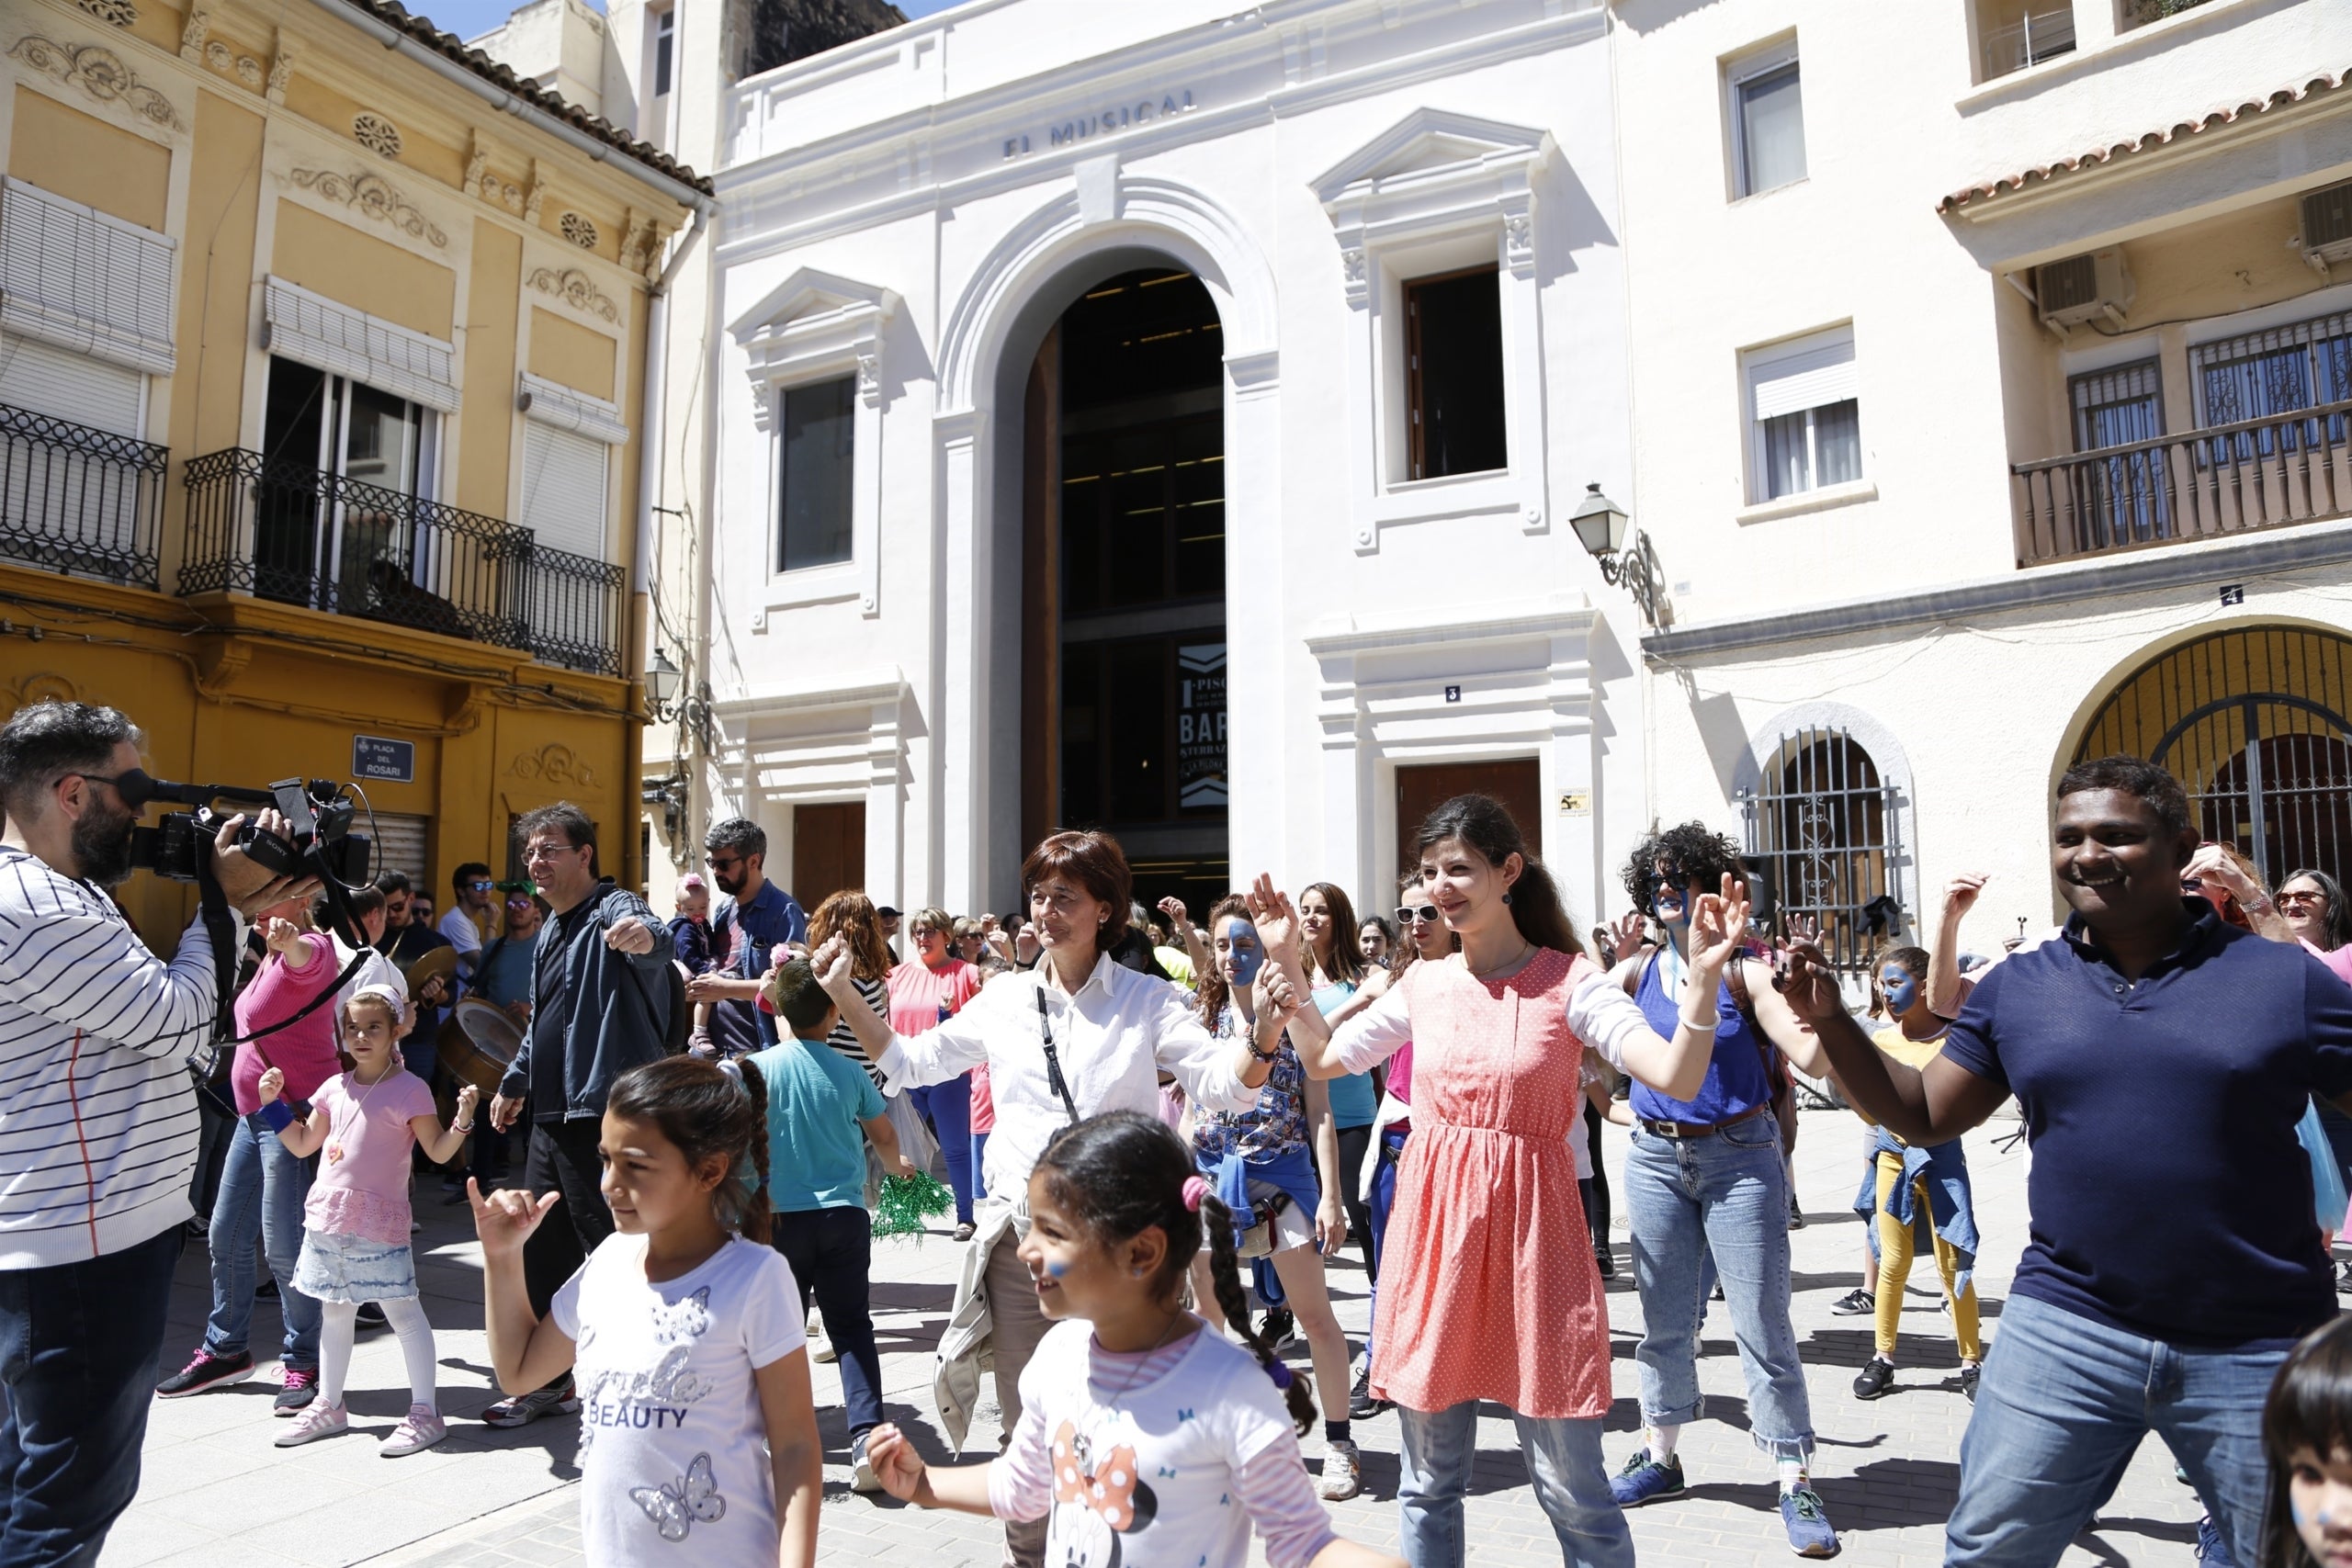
(1053, 1062)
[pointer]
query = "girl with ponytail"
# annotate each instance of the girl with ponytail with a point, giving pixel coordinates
(1138, 1423)
(684, 1327)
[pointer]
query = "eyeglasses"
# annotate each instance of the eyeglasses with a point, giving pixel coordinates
(2301, 896)
(534, 854)
(1407, 913)
(480, 887)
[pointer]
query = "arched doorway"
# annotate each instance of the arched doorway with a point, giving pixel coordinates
(1826, 829)
(1123, 559)
(2253, 722)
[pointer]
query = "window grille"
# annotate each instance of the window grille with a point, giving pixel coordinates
(1829, 833)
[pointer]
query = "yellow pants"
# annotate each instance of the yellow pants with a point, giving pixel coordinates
(1894, 1265)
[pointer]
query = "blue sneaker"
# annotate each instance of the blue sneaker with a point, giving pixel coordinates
(1644, 1480)
(2211, 1549)
(1808, 1524)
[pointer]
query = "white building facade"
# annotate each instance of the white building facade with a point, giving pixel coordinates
(1935, 490)
(1167, 420)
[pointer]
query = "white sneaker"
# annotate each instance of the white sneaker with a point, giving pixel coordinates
(422, 1429)
(861, 1469)
(1343, 1475)
(820, 1348)
(315, 1420)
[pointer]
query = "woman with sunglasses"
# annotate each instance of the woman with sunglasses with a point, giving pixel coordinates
(2312, 903)
(1493, 1294)
(926, 991)
(1076, 1036)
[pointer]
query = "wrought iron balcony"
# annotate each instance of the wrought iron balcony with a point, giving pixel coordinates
(2209, 483)
(298, 535)
(79, 501)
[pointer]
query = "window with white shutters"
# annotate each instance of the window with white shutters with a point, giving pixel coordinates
(563, 489)
(68, 385)
(327, 336)
(77, 278)
(400, 845)
(1804, 416)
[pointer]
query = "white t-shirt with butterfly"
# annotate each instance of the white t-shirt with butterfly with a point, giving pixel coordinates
(673, 1443)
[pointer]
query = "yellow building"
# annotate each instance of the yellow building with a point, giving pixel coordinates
(323, 370)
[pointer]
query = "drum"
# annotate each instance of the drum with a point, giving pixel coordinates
(478, 1044)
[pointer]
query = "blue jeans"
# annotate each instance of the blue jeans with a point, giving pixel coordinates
(2063, 1407)
(1563, 1458)
(948, 1108)
(262, 1189)
(78, 1347)
(1723, 1198)
(832, 1252)
(1391, 1150)
(981, 1164)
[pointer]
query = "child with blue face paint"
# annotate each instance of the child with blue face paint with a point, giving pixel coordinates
(1906, 1191)
(2307, 1437)
(1287, 1144)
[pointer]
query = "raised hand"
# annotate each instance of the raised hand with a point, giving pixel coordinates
(1273, 999)
(831, 963)
(1719, 927)
(1804, 977)
(2210, 865)
(1277, 921)
(1178, 917)
(507, 1217)
(467, 1097)
(1625, 933)
(280, 935)
(896, 1465)
(1960, 893)
(272, 1085)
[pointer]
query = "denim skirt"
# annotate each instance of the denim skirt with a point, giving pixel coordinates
(352, 1268)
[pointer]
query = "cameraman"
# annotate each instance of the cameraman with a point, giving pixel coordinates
(97, 1128)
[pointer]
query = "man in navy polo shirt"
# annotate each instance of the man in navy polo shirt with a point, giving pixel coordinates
(2163, 1059)
(747, 924)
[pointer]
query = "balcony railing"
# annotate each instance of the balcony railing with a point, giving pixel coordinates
(280, 531)
(2226, 479)
(79, 501)
(2029, 40)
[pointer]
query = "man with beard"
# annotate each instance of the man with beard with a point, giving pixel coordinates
(745, 928)
(97, 1131)
(2162, 1058)
(406, 941)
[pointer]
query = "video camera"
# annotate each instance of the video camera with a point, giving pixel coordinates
(318, 818)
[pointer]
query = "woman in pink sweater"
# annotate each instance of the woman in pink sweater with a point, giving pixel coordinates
(291, 994)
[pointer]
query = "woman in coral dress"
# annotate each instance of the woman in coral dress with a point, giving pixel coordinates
(1490, 1291)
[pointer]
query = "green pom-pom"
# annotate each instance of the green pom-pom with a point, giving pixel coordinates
(907, 1202)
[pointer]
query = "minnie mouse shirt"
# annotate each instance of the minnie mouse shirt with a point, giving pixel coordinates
(1169, 1473)
(673, 1444)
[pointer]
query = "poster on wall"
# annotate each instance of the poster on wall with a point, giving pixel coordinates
(1200, 727)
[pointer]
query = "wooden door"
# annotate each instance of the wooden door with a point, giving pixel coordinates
(828, 850)
(1516, 781)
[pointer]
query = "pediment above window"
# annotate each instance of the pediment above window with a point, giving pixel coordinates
(1435, 147)
(814, 323)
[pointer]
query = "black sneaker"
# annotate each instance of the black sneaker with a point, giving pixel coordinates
(1856, 1303)
(206, 1371)
(1796, 1216)
(1362, 1405)
(1280, 1330)
(266, 1289)
(1605, 1261)
(1969, 1374)
(371, 1315)
(1877, 1377)
(298, 1386)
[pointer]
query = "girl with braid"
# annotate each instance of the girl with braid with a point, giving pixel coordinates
(685, 1326)
(1146, 1440)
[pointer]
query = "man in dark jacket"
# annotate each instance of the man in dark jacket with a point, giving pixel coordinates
(599, 1007)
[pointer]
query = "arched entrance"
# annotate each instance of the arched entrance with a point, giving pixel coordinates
(2253, 722)
(1124, 566)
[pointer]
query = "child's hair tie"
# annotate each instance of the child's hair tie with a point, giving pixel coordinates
(1195, 1189)
(1282, 1374)
(728, 1065)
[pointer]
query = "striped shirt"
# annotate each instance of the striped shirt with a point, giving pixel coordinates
(98, 1118)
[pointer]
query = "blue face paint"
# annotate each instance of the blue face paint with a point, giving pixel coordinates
(1241, 938)
(1057, 1267)
(1900, 988)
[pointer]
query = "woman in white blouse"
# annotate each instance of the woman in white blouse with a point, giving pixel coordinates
(1073, 1037)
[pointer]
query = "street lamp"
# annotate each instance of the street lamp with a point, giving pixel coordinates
(661, 683)
(1603, 529)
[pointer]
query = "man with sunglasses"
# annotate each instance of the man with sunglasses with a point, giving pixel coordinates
(98, 1132)
(472, 915)
(745, 926)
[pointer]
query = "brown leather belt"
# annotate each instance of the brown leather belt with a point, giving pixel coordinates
(1700, 1129)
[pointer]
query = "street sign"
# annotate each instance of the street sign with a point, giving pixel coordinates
(373, 757)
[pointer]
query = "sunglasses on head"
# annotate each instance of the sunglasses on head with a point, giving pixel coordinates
(1407, 913)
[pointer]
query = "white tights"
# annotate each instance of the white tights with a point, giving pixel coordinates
(342, 1327)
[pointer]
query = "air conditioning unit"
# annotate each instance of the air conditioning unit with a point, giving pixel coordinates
(2082, 289)
(2327, 226)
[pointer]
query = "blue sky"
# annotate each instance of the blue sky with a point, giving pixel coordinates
(471, 18)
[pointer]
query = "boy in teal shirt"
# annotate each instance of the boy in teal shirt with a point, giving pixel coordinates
(821, 1108)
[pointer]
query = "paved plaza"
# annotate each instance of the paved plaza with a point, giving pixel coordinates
(216, 1491)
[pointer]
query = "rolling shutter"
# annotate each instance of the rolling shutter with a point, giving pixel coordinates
(563, 489)
(1813, 376)
(400, 846)
(65, 385)
(74, 276)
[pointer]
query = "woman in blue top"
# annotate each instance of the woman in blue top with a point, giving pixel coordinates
(1281, 1148)
(1335, 965)
(1704, 1178)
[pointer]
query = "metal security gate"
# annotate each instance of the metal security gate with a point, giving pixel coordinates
(1829, 833)
(2253, 723)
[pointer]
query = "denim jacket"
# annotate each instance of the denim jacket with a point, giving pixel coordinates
(614, 1016)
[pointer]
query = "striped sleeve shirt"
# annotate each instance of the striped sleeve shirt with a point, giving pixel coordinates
(98, 1118)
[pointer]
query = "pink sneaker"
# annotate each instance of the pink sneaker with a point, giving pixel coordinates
(422, 1429)
(317, 1419)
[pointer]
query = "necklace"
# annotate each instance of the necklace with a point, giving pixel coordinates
(1525, 947)
(358, 1114)
(1083, 1447)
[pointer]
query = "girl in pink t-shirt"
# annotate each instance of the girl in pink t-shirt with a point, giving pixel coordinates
(356, 1223)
